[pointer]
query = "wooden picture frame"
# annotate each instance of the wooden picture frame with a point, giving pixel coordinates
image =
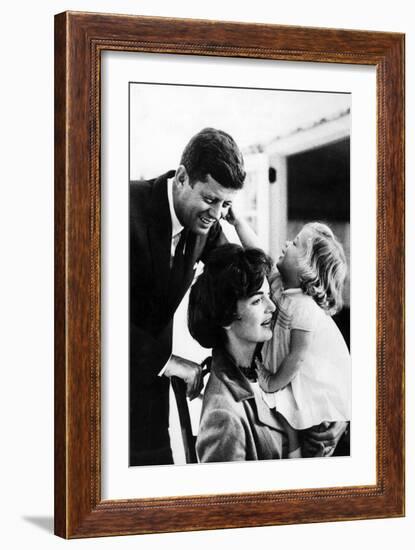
(79, 40)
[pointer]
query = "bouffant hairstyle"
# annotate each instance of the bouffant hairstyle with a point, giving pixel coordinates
(323, 268)
(231, 273)
(215, 153)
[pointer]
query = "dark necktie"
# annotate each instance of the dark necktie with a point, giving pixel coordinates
(177, 269)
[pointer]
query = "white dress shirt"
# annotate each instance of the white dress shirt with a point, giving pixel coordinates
(176, 226)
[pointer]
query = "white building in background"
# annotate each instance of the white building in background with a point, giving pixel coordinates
(266, 200)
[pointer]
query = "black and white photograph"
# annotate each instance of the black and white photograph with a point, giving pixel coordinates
(239, 274)
(167, 168)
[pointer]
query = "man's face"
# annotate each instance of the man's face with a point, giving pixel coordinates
(200, 205)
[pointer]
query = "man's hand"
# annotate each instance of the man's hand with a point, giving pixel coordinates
(194, 380)
(187, 370)
(322, 440)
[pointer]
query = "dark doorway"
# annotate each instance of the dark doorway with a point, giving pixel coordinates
(319, 190)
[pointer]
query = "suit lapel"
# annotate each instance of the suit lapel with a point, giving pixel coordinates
(159, 232)
(196, 246)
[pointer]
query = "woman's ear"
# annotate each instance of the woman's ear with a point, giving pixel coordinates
(228, 327)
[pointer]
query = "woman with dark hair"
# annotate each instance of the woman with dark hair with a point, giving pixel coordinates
(230, 310)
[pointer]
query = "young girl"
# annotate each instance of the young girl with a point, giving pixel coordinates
(306, 375)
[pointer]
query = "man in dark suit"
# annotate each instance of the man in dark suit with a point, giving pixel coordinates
(174, 223)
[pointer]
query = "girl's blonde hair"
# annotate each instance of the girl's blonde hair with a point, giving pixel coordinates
(323, 268)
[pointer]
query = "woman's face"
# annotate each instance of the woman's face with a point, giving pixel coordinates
(254, 318)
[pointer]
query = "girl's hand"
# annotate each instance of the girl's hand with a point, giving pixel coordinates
(232, 217)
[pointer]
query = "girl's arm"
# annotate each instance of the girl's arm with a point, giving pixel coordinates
(246, 234)
(299, 345)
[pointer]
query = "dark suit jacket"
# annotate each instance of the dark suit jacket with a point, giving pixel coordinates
(152, 302)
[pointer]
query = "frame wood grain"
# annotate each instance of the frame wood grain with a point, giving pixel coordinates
(79, 40)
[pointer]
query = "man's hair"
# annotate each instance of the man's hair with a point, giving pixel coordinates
(323, 268)
(231, 273)
(215, 153)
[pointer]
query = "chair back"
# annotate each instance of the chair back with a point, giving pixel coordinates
(189, 440)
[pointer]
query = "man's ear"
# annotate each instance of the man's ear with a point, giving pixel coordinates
(181, 176)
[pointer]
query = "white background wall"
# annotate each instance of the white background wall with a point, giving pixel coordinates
(26, 273)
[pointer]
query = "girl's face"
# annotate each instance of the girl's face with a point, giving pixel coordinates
(288, 262)
(254, 318)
